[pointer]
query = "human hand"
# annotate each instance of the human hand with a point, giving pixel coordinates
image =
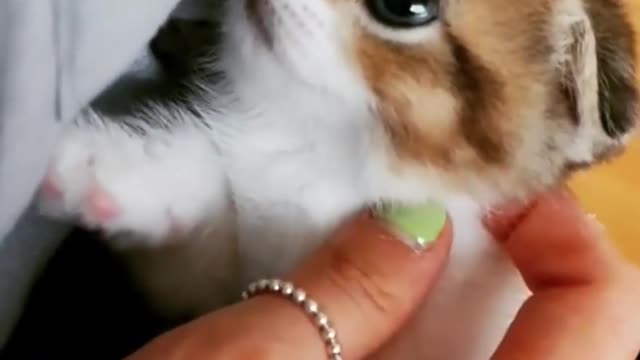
(583, 305)
(585, 295)
(365, 279)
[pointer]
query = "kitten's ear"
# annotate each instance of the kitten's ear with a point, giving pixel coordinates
(597, 66)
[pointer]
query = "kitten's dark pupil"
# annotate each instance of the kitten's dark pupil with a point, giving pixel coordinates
(404, 13)
(407, 8)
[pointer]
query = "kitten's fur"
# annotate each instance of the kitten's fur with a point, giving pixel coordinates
(317, 110)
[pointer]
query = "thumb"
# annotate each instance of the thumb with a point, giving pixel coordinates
(373, 273)
(368, 278)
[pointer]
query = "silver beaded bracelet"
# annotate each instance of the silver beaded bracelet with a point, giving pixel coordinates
(299, 297)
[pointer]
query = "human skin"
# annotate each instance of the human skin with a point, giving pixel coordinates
(585, 294)
(584, 301)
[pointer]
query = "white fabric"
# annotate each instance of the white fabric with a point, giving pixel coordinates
(55, 57)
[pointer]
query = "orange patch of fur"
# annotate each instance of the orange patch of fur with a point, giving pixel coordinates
(479, 127)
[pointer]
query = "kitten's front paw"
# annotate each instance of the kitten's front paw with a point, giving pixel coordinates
(121, 183)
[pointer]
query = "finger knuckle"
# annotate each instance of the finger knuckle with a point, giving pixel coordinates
(362, 285)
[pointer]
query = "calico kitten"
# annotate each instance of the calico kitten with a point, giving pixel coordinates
(319, 108)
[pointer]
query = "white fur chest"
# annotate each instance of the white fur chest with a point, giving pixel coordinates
(292, 180)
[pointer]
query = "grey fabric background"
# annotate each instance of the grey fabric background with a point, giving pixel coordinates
(55, 57)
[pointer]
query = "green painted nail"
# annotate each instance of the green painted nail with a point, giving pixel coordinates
(420, 225)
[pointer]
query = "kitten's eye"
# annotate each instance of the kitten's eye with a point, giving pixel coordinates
(404, 13)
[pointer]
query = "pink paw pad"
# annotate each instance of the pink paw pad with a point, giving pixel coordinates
(100, 206)
(50, 189)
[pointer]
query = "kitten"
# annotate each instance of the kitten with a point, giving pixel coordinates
(314, 109)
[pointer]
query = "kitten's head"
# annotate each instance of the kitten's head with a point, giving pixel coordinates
(497, 96)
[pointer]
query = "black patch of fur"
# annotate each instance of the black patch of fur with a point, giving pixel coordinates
(481, 93)
(615, 42)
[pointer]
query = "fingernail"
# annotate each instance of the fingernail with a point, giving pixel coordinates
(417, 226)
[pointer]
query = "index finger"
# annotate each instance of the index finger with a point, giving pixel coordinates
(585, 294)
(553, 241)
